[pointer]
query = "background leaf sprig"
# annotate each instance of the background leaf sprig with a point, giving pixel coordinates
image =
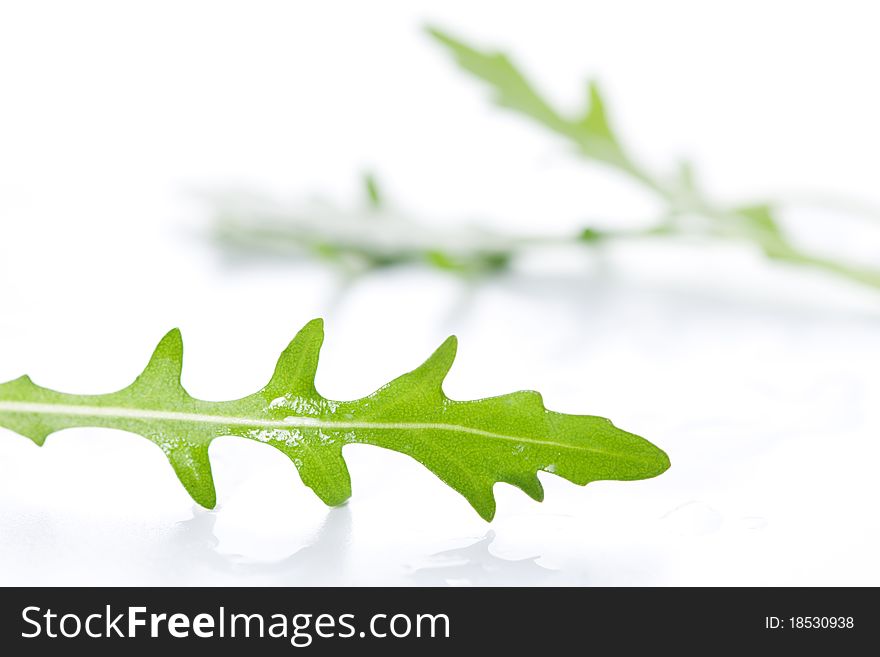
(390, 238)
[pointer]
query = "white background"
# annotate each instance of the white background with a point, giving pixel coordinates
(759, 380)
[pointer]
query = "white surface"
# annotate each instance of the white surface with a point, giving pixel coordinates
(759, 381)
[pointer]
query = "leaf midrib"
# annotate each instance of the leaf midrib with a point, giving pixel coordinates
(293, 422)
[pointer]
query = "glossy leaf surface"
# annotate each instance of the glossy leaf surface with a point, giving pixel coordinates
(470, 445)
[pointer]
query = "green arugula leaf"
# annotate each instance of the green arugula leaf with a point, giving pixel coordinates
(359, 240)
(596, 140)
(591, 132)
(374, 196)
(760, 217)
(511, 87)
(470, 445)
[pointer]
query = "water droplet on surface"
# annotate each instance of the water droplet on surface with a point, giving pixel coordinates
(753, 523)
(476, 565)
(693, 519)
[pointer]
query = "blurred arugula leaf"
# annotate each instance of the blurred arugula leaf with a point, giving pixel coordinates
(596, 140)
(590, 132)
(374, 196)
(388, 238)
(369, 237)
